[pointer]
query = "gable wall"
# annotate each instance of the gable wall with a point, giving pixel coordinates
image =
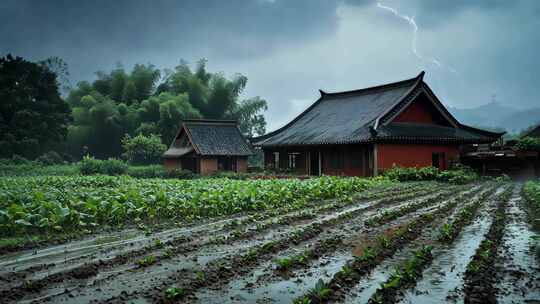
(421, 110)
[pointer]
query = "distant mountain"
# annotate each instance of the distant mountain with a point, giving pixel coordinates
(496, 115)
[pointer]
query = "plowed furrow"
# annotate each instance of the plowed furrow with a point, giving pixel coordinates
(104, 270)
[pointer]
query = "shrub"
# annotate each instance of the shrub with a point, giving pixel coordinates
(412, 174)
(111, 166)
(90, 166)
(181, 174)
(152, 171)
(19, 160)
(461, 175)
(231, 175)
(50, 158)
(143, 150)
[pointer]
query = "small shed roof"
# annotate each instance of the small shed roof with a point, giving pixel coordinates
(211, 138)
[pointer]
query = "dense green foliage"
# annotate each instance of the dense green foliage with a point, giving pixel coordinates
(32, 113)
(528, 143)
(456, 176)
(148, 101)
(532, 192)
(142, 150)
(111, 166)
(35, 169)
(42, 204)
(50, 158)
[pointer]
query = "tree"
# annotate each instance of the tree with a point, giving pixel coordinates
(120, 103)
(32, 113)
(216, 96)
(165, 112)
(249, 117)
(143, 150)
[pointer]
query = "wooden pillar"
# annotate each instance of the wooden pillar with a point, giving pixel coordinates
(375, 160)
(308, 162)
(320, 163)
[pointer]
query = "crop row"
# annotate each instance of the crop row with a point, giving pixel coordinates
(403, 277)
(226, 268)
(531, 191)
(376, 251)
(330, 244)
(273, 217)
(41, 204)
(481, 272)
(181, 245)
(407, 273)
(389, 215)
(451, 229)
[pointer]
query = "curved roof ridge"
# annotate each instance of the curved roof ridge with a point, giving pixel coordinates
(386, 86)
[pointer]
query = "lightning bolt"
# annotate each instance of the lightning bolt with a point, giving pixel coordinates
(414, 48)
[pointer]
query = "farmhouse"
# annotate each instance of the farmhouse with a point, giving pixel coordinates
(207, 146)
(519, 162)
(366, 131)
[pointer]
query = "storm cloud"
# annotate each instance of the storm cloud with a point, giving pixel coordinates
(290, 49)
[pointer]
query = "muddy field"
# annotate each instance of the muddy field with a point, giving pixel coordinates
(408, 243)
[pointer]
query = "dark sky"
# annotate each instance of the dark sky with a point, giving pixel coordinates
(470, 50)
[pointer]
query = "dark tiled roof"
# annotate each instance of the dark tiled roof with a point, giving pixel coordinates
(350, 117)
(217, 137)
(339, 117)
(429, 133)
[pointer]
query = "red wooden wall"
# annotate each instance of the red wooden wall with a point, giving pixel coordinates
(421, 110)
(412, 155)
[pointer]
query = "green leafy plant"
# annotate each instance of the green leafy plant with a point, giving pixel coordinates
(174, 293)
(43, 204)
(147, 261)
(320, 292)
(302, 300)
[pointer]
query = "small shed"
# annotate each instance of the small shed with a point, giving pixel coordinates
(205, 146)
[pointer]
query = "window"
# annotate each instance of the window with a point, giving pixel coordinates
(293, 160)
